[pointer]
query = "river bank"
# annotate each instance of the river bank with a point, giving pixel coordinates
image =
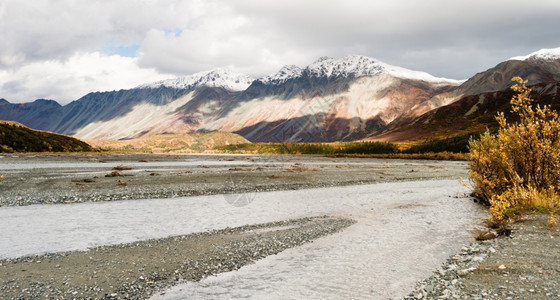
(398, 219)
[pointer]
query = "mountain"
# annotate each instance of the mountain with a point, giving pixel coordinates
(537, 67)
(329, 100)
(482, 97)
(349, 98)
(15, 137)
(37, 114)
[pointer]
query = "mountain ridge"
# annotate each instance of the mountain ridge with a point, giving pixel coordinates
(215, 78)
(349, 98)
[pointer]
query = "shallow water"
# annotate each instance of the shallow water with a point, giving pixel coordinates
(404, 230)
(30, 165)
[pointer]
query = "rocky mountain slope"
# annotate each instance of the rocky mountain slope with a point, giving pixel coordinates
(537, 67)
(470, 114)
(482, 97)
(330, 100)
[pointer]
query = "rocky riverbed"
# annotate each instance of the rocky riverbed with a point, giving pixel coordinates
(137, 270)
(523, 265)
(70, 178)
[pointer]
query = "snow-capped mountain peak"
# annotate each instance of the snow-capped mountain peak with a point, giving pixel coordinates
(359, 65)
(286, 73)
(322, 59)
(545, 54)
(214, 78)
(354, 65)
(350, 66)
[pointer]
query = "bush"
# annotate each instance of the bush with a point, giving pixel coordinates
(519, 166)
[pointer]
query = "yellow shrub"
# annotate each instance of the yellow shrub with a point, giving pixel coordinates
(519, 166)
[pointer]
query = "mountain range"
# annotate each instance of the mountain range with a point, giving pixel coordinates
(351, 98)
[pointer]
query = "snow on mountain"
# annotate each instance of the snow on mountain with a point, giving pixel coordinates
(354, 65)
(358, 65)
(350, 66)
(286, 73)
(418, 75)
(545, 54)
(214, 78)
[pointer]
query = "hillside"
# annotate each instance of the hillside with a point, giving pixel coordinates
(469, 114)
(172, 143)
(15, 137)
(479, 98)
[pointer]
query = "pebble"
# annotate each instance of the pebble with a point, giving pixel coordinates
(446, 283)
(536, 276)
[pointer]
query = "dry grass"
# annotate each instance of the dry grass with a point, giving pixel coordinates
(171, 143)
(552, 222)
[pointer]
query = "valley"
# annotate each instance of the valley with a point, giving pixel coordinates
(133, 212)
(347, 99)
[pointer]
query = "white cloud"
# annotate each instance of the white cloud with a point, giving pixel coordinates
(70, 79)
(56, 29)
(452, 39)
(456, 38)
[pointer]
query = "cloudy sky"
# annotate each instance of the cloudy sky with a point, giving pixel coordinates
(63, 49)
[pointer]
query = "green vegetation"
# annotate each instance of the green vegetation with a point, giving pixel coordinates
(518, 168)
(428, 155)
(312, 148)
(455, 144)
(15, 137)
(439, 149)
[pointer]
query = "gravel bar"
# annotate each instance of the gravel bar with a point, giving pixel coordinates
(138, 270)
(523, 265)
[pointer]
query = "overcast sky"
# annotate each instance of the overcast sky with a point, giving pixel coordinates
(62, 50)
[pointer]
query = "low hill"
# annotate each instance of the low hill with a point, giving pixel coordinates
(15, 137)
(172, 143)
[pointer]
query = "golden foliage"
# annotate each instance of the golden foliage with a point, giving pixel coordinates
(519, 166)
(551, 221)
